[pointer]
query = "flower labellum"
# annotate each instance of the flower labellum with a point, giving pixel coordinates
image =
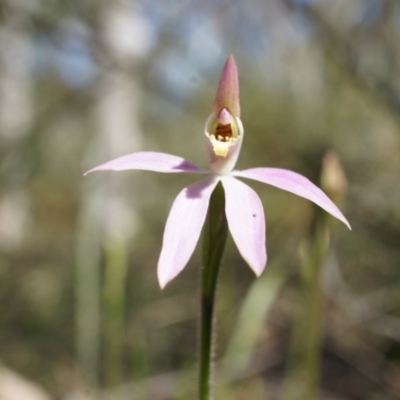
(244, 211)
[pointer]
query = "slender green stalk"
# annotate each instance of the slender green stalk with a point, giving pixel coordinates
(215, 234)
(116, 269)
(313, 302)
(87, 292)
(304, 363)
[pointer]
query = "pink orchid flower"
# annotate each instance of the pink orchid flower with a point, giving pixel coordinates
(244, 210)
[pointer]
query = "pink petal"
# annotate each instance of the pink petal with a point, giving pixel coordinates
(149, 161)
(245, 215)
(295, 183)
(183, 228)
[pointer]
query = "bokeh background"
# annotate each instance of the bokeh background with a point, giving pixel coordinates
(83, 81)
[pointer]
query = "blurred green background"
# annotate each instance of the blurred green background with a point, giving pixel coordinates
(83, 81)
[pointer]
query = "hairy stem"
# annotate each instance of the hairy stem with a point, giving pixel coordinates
(214, 240)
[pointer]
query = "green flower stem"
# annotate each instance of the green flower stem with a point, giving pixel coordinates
(313, 302)
(88, 292)
(320, 243)
(116, 269)
(215, 234)
(304, 361)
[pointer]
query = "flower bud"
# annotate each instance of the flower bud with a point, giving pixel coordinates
(333, 179)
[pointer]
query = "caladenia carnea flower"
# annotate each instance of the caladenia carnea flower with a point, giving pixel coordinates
(243, 208)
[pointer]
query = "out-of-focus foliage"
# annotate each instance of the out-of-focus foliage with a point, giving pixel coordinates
(83, 81)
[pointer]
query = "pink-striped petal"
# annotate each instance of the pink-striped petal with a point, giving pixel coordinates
(183, 228)
(295, 183)
(245, 215)
(149, 161)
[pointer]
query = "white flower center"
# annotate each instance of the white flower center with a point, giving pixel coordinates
(223, 133)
